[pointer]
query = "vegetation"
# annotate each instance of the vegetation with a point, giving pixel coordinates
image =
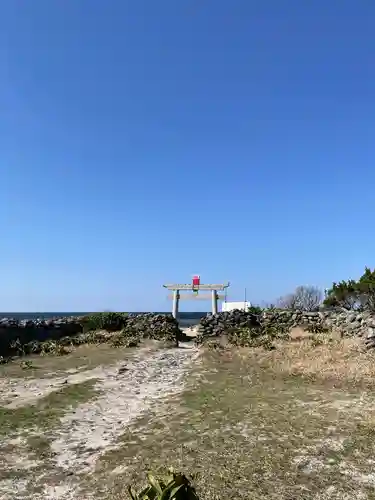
(304, 298)
(317, 329)
(353, 294)
(123, 339)
(114, 328)
(292, 423)
(255, 423)
(108, 321)
(47, 410)
(255, 310)
(250, 337)
(174, 486)
(264, 335)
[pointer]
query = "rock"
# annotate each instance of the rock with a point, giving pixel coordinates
(29, 335)
(122, 369)
(342, 321)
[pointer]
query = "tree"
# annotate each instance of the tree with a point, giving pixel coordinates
(287, 302)
(365, 288)
(343, 294)
(353, 294)
(304, 298)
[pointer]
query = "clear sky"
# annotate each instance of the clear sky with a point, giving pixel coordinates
(144, 141)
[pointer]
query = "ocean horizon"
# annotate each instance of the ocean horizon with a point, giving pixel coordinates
(185, 318)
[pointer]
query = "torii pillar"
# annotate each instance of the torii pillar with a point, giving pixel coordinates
(176, 301)
(177, 288)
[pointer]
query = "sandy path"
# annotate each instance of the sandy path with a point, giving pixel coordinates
(94, 428)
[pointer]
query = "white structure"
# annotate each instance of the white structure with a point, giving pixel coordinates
(196, 286)
(230, 306)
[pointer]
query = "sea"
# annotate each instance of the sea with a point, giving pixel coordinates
(185, 319)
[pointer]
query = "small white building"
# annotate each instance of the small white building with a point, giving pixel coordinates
(230, 306)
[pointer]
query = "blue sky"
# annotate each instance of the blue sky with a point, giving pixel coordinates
(142, 142)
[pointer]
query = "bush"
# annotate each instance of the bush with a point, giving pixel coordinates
(109, 321)
(255, 310)
(317, 329)
(352, 294)
(251, 337)
(343, 294)
(54, 348)
(124, 339)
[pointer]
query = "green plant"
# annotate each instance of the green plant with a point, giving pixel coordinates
(54, 348)
(214, 344)
(18, 346)
(26, 365)
(316, 329)
(353, 294)
(121, 340)
(366, 289)
(255, 310)
(33, 347)
(317, 341)
(242, 337)
(109, 321)
(343, 294)
(275, 330)
(250, 337)
(174, 486)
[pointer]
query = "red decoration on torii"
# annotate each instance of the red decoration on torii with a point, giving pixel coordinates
(196, 282)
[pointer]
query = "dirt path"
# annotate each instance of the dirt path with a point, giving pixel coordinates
(124, 392)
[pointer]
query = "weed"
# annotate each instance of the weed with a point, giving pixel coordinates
(27, 365)
(174, 486)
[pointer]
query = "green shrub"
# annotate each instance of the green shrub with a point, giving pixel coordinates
(317, 329)
(214, 344)
(123, 339)
(18, 347)
(174, 486)
(54, 348)
(109, 321)
(353, 294)
(255, 310)
(26, 365)
(250, 337)
(275, 330)
(33, 347)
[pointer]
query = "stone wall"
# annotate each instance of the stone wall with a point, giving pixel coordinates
(346, 323)
(155, 326)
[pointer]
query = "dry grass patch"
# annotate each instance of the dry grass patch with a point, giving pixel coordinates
(344, 360)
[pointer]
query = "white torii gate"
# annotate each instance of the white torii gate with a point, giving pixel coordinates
(177, 288)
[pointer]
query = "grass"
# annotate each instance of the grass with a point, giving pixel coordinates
(29, 426)
(85, 357)
(287, 424)
(344, 361)
(46, 411)
(294, 423)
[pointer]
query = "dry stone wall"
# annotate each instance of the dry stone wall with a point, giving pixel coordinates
(25, 332)
(346, 323)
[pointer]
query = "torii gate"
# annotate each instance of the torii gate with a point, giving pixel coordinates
(195, 286)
